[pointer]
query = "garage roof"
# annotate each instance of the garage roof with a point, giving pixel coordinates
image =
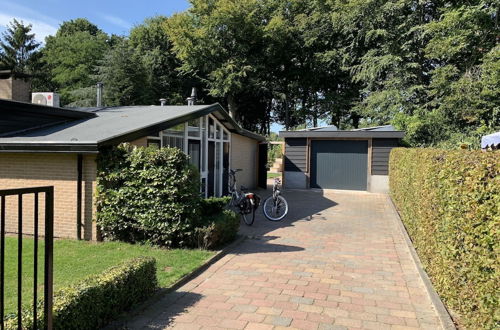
(386, 131)
(110, 125)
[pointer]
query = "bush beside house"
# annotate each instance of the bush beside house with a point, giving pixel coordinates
(216, 225)
(449, 202)
(93, 302)
(153, 195)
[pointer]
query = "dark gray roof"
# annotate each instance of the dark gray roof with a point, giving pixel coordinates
(330, 128)
(16, 117)
(113, 125)
(384, 128)
(387, 131)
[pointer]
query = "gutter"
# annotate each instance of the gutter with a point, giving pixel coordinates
(84, 148)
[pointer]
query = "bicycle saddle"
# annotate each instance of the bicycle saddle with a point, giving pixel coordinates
(235, 171)
(243, 188)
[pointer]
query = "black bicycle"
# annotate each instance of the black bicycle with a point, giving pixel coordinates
(275, 206)
(245, 202)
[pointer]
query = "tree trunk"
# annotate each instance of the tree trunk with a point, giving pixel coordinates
(233, 107)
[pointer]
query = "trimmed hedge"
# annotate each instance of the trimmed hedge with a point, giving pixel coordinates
(147, 195)
(449, 202)
(96, 300)
(153, 195)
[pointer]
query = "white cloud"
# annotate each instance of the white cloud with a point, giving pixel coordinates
(116, 21)
(42, 25)
(41, 29)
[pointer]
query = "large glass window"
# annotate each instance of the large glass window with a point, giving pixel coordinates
(218, 169)
(194, 128)
(203, 143)
(173, 142)
(176, 130)
(174, 137)
(218, 131)
(206, 142)
(194, 152)
(211, 128)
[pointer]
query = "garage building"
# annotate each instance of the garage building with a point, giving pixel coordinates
(328, 158)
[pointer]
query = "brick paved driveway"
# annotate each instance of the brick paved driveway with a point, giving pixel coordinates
(339, 261)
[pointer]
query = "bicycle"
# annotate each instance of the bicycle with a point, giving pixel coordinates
(245, 202)
(275, 206)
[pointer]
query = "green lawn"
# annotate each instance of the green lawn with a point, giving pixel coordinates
(74, 260)
(273, 175)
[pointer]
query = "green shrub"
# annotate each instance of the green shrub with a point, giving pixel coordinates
(450, 204)
(216, 226)
(213, 205)
(273, 151)
(95, 301)
(147, 194)
(218, 229)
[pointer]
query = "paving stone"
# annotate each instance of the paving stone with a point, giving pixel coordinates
(278, 320)
(338, 261)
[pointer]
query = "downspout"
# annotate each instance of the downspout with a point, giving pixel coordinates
(79, 167)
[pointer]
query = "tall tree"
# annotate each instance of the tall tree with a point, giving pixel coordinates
(72, 55)
(152, 44)
(222, 43)
(124, 76)
(18, 48)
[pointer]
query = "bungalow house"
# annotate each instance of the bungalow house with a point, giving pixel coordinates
(41, 145)
(328, 158)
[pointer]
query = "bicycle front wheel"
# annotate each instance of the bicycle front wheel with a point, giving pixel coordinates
(275, 209)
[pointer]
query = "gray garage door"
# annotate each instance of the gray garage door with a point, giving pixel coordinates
(337, 164)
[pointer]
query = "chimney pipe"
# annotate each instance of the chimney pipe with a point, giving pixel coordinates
(163, 102)
(100, 86)
(192, 99)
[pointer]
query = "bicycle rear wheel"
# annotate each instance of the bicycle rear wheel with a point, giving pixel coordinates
(248, 218)
(275, 209)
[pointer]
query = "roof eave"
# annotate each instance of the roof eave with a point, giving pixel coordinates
(48, 147)
(343, 134)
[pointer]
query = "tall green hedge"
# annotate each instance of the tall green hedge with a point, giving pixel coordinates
(147, 194)
(450, 204)
(96, 300)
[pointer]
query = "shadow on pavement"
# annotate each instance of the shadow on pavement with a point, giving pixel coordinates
(302, 206)
(262, 244)
(154, 315)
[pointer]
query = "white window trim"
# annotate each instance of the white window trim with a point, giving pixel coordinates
(204, 148)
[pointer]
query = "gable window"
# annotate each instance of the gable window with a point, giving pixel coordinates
(206, 141)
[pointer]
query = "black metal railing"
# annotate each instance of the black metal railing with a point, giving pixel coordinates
(48, 256)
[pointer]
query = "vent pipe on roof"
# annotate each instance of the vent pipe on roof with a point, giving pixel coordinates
(192, 99)
(100, 86)
(163, 102)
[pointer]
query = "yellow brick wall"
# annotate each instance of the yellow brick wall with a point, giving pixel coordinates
(142, 142)
(244, 155)
(6, 88)
(60, 171)
(15, 89)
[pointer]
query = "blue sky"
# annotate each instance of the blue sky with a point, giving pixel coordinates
(112, 16)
